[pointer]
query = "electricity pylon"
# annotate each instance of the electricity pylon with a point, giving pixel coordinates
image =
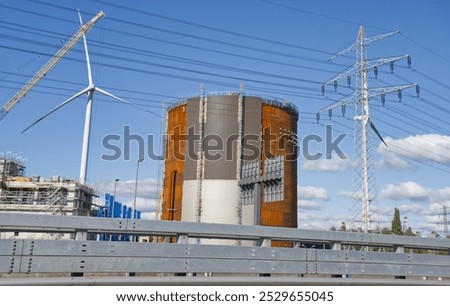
(365, 208)
(444, 221)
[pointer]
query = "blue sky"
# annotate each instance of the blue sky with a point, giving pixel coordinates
(153, 52)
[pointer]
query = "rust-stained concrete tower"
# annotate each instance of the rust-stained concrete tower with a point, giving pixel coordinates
(245, 169)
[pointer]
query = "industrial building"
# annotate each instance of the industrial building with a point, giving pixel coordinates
(244, 171)
(56, 196)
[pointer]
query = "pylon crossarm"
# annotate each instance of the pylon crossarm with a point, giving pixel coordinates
(343, 102)
(385, 61)
(369, 40)
(346, 73)
(375, 92)
(346, 50)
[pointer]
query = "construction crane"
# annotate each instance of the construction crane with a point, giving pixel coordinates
(49, 65)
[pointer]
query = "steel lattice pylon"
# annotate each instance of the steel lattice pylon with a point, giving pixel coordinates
(365, 206)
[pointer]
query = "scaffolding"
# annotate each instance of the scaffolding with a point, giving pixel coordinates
(57, 196)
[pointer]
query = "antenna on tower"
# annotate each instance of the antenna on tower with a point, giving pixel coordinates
(365, 208)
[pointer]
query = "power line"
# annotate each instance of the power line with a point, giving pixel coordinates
(391, 116)
(322, 15)
(429, 92)
(409, 152)
(428, 77)
(426, 48)
(413, 107)
(20, 28)
(229, 85)
(177, 33)
(177, 59)
(203, 26)
(199, 80)
(205, 49)
(413, 118)
(347, 21)
(27, 76)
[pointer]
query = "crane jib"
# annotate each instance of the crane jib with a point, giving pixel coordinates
(49, 65)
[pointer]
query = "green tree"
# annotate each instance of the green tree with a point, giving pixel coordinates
(409, 232)
(386, 231)
(396, 223)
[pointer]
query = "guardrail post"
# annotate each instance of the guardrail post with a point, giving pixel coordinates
(399, 249)
(336, 246)
(182, 239)
(265, 242)
(81, 235)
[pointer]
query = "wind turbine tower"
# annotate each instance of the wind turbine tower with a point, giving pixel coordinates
(365, 208)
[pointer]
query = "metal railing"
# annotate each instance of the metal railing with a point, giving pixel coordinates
(265, 98)
(322, 257)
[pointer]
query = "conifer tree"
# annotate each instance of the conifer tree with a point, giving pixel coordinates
(396, 223)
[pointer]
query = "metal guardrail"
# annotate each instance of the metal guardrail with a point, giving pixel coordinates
(315, 256)
(19, 222)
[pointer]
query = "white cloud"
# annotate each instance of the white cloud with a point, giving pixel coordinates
(423, 206)
(412, 191)
(391, 161)
(406, 191)
(327, 165)
(426, 147)
(435, 209)
(442, 194)
(348, 194)
(146, 188)
(411, 209)
(142, 204)
(306, 195)
(319, 221)
(432, 222)
(148, 215)
(308, 205)
(312, 192)
(146, 194)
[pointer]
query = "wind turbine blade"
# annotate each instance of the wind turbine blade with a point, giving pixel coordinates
(123, 101)
(58, 107)
(88, 62)
(376, 132)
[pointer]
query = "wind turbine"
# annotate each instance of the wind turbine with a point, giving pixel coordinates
(89, 90)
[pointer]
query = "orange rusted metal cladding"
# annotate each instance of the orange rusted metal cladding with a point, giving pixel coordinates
(274, 123)
(277, 120)
(174, 164)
